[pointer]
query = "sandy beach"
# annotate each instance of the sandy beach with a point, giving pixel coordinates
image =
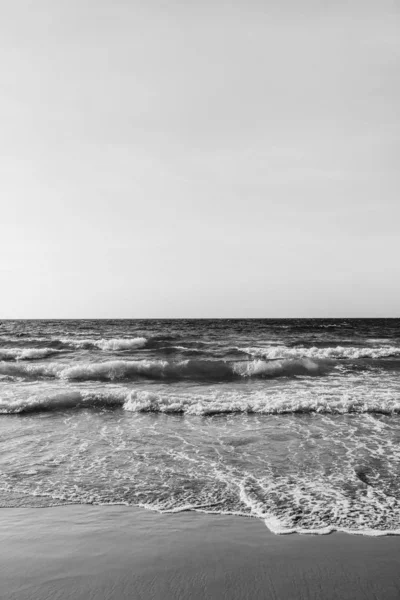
(86, 552)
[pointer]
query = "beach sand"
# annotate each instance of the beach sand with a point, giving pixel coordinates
(121, 553)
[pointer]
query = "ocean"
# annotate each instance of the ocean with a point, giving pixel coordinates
(295, 422)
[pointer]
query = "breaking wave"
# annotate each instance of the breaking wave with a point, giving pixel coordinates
(106, 344)
(143, 401)
(338, 352)
(196, 370)
(112, 344)
(260, 404)
(68, 399)
(26, 353)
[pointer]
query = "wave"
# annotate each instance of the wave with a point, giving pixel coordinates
(121, 343)
(275, 526)
(195, 370)
(106, 344)
(22, 341)
(337, 352)
(143, 401)
(26, 353)
(61, 401)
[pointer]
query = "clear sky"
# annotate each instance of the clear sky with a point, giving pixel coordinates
(199, 159)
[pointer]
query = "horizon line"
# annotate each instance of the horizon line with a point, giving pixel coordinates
(190, 318)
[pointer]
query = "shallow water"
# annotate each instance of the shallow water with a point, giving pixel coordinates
(295, 422)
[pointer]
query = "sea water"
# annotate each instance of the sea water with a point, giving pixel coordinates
(295, 422)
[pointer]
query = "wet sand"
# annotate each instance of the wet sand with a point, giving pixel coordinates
(121, 553)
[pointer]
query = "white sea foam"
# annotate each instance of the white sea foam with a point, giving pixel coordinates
(207, 404)
(121, 343)
(274, 524)
(337, 352)
(112, 344)
(106, 344)
(26, 353)
(262, 368)
(62, 400)
(195, 370)
(258, 403)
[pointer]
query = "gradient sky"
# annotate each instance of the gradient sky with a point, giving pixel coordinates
(199, 159)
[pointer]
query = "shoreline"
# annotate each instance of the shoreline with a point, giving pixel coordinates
(12, 500)
(86, 551)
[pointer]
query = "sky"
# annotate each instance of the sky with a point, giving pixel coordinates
(199, 159)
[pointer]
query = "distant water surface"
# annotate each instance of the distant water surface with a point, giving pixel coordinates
(296, 422)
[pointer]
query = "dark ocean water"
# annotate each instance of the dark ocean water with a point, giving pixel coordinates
(296, 422)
